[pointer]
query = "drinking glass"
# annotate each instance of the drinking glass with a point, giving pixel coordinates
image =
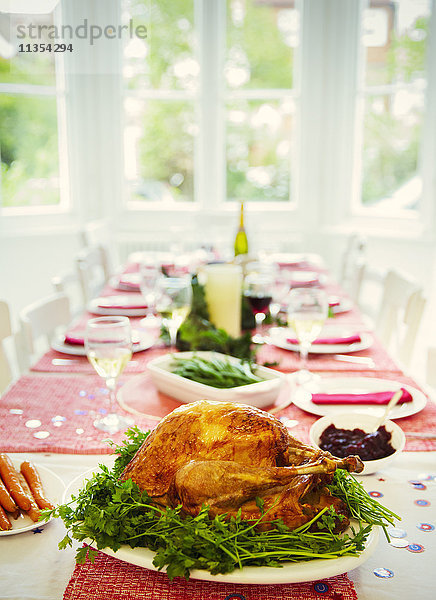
(307, 312)
(174, 303)
(149, 279)
(108, 344)
(258, 291)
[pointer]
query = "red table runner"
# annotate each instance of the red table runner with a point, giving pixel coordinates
(112, 579)
(61, 411)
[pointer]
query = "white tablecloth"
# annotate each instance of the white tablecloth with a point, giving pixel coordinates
(32, 567)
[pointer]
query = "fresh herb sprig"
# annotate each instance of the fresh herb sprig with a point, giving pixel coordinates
(109, 513)
(214, 371)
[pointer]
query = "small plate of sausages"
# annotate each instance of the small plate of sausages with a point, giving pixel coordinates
(25, 490)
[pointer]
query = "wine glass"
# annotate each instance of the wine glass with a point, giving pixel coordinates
(108, 344)
(149, 279)
(258, 292)
(174, 303)
(280, 290)
(307, 312)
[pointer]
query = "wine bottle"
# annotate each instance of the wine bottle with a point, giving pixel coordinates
(241, 241)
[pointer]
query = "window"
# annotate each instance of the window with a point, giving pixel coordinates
(29, 119)
(392, 102)
(203, 94)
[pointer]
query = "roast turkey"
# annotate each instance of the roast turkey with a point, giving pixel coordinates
(228, 456)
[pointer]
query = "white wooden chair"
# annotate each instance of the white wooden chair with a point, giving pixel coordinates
(39, 323)
(430, 376)
(5, 333)
(69, 283)
(401, 310)
(93, 270)
(352, 264)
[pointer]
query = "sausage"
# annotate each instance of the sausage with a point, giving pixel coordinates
(34, 482)
(34, 512)
(5, 499)
(5, 524)
(11, 481)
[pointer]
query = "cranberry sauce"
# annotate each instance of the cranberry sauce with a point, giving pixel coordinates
(369, 446)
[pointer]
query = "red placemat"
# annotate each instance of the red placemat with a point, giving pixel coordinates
(112, 579)
(56, 414)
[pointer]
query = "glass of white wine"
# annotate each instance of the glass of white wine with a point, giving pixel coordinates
(149, 280)
(307, 312)
(108, 344)
(174, 303)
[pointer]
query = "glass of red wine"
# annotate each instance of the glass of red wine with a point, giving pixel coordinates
(258, 292)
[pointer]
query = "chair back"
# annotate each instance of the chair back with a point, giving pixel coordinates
(93, 270)
(5, 332)
(39, 322)
(401, 310)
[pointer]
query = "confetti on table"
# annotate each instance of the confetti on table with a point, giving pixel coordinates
(80, 412)
(15, 411)
(422, 502)
(41, 435)
(383, 573)
(399, 543)
(375, 494)
(320, 587)
(415, 548)
(426, 477)
(396, 532)
(82, 393)
(33, 423)
(425, 526)
(418, 485)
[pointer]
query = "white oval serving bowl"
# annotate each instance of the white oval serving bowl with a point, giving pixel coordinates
(261, 394)
(367, 423)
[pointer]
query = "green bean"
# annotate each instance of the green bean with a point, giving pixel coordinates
(216, 372)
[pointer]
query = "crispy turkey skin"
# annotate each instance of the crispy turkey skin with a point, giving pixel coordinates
(226, 455)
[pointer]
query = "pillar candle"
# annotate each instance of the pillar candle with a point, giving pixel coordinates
(223, 288)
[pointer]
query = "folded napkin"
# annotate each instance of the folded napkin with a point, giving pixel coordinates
(350, 339)
(367, 398)
(75, 337)
(333, 303)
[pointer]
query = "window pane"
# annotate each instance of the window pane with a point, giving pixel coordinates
(250, 61)
(159, 149)
(390, 154)
(26, 67)
(395, 34)
(259, 137)
(29, 151)
(165, 59)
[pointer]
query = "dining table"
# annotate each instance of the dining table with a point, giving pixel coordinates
(47, 414)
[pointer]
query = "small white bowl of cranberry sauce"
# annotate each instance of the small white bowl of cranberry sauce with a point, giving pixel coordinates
(346, 434)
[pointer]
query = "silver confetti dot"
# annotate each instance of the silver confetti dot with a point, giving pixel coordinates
(33, 423)
(41, 435)
(383, 573)
(399, 543)
(58, 418)
(395, 532)
(15, 411)
(57, 423)
(289, 423)
(79, 431)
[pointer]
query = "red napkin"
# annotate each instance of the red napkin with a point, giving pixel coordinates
(368, 398)
(75, 338)
(351, 339)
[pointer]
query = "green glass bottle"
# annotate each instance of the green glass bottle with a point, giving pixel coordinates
(241, 241)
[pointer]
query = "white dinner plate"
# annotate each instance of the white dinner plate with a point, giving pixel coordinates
(131, 306)
(298, 572)
(53, 489)
(357, 385)
(278, 336)
(145, 341)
